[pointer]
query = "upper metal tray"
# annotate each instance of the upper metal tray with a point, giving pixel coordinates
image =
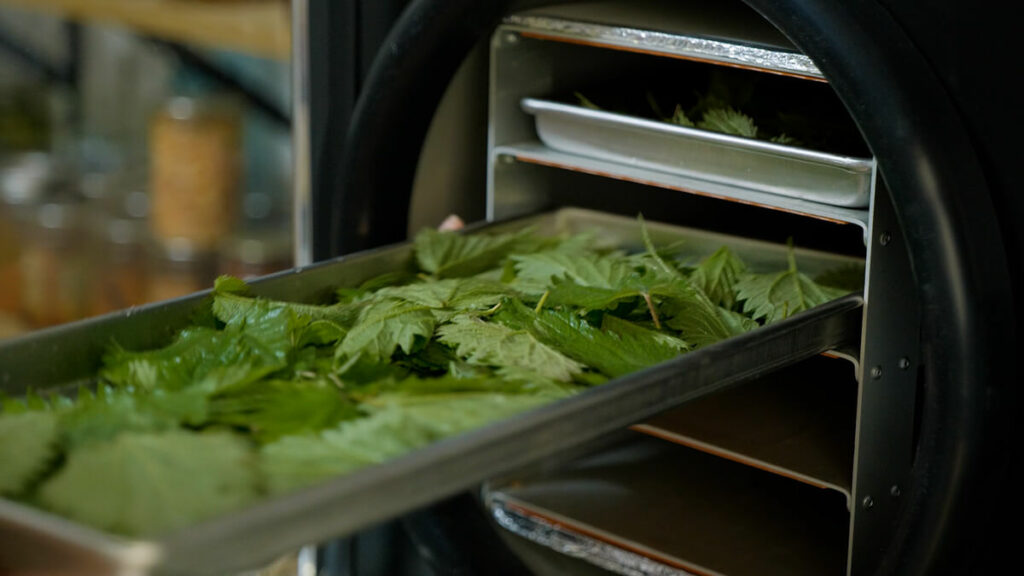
(34, 540)
(715, 157)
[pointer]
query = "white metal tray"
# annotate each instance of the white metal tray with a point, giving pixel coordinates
(710, 156)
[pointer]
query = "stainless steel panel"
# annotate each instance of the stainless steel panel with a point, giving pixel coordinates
(514, 195)
(887, 402)
(798, 423)
(704, 155)
(30, 537)
(650, 507)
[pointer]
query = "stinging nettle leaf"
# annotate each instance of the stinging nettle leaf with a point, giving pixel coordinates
(387, 326)
(700, 321)
(28, 443)
(617, 348)
(271, 409)
(197, 355)
(775, 297)
(728, 121)
(102, 415)
(450, 254)
(717, 275)
(399, 424)
(146, 483)
(491, 344)
(608, 271)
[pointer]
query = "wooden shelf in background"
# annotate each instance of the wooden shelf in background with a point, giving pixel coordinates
(257, 27)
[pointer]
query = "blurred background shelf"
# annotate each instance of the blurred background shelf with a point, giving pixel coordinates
(145, 148)
(257, 27)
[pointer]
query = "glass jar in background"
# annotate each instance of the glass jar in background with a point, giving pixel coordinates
(121, 240)
(177, 268)
(195, 151)
(55, 261)
(257, 253)
(24, 178)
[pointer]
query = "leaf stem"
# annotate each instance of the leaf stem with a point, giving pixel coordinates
(540, 304)
(650, 308)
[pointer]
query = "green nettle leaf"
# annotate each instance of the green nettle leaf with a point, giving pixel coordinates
(618, 347)
(32, 401)
(649, 287)
(585, 102)
(455, 294)
(449, 254)
(400, 423)
(587, 298)
(101, 416)
(203, 355)
(387, 326)
(271, 409)
(778, 296)
(146, 483)
(496, 345)
(717, 275)
(786, 140)
(320, 333)
(700, 321)
(28, 443)
(679, 117)
(233, 307)
(728, 121)
(608, 271)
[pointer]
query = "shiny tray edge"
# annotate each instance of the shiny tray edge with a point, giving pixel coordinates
(851, 163)
(839, 180)
(767, 59)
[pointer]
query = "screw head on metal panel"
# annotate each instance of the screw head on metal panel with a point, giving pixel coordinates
(904, 363)
(508, 159)
(511, 38)
(867, 503)
(876, 372)
(885, 238)
(895, 491)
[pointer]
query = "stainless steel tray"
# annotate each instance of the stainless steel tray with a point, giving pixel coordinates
(720, 158)
(34, 540)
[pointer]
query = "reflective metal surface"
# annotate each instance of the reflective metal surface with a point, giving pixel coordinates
(743, 163)
(664, 43)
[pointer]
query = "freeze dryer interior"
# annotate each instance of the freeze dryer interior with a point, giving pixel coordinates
(846, 463)
(867, 435)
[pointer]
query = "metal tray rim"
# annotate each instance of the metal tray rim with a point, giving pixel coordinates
(852, 164)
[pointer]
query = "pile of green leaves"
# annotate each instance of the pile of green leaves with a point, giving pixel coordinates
(266, 396)
(711, 113)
